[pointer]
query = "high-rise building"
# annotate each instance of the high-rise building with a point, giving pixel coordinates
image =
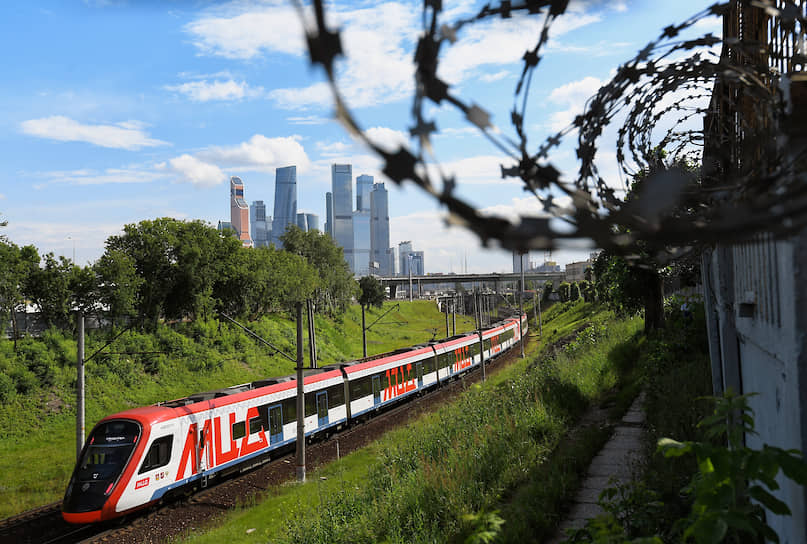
(258, 223)
(380, 252)
(342, 190)
(520, 262)
(301, 222)
(404, 249)
(364, 186)
(285, 202)
(239, 211)
(329, 214)
(361, 242)
(416, 258)
(312, 221)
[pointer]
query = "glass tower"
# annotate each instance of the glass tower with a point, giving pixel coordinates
(239, 211)
(285, 202)
(380, 251)
(258, 223)
(342, 190)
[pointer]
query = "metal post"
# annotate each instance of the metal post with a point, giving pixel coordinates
(454, 313)
(482, 355)
(80, 386)
(300, 398)
(363, 334)
(312, 333)
(446, 310)
(521, 304)
(410, 278)
(540, 325)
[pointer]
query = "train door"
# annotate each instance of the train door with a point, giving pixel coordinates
(376, 390)
(419, 372)
(275, 424)
(322, 409)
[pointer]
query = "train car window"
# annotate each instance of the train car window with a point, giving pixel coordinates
(336, 395)
(159, 454)
(255, 424)
(289, 410)
(239, 430)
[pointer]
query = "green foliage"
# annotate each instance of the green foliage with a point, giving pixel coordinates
(372, 292)
(548, 289)
(587, 289)
(731, 475)
(336, 286)
(574, 292)
(564, 291)
(117, 283)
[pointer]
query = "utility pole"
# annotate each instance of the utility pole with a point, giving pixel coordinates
(80, 385)
(312, 333)
(521, 303)
(300, 398)
(363, 333)
(446, 311)
(454, 313)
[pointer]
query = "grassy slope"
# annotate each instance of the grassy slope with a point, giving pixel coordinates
(440, 478)
(37, 442)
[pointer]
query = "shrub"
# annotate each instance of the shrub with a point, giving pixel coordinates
(7, 388)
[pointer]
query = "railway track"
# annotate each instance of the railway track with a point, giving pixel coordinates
(44, 525)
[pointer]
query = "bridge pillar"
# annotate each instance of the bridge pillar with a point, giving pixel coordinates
(392, 290)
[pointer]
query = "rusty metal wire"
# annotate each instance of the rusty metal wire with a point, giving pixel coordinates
(698, 185)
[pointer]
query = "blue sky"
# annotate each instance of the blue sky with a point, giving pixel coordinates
(117, 111)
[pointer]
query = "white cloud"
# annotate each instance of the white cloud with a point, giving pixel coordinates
(573, 96)
(476, 170)
(98, 177)
(205, 91)
(259, 153)
(386, 138)
(334, 149)
(308, 120)
(194, 171)
(248, 34)
(318, 94)
(2, 196)
(126, 135)
(502, 42)
(496, 76)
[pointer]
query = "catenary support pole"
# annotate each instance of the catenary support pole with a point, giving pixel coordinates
(363, 333)
(454, 314)
(521, 306)
(300, 398)
(80, 385)
(446, 311)
(312, 333)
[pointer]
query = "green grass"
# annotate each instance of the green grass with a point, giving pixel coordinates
(494, 449)
(37, 441)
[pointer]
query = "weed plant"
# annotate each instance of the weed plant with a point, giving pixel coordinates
(446, 476)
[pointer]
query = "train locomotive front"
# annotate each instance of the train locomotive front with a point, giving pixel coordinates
(101, 470)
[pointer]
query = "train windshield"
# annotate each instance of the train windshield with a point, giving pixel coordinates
(108, 450)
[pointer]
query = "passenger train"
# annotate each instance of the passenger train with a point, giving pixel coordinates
(139, 457)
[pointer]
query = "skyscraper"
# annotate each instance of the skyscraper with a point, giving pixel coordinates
(520, 262)
(342, 189)
(364, 185)
(361, 242)
(301, 222)
(329, 214)
(258, 224)
(239, 211)
(285, 202)
(380, 252)
(404, 249)
(312, 221)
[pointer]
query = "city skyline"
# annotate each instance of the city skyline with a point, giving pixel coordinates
(106, 125)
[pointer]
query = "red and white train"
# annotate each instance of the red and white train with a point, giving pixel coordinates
(139, 457)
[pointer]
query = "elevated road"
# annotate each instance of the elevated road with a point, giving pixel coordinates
(433, 279)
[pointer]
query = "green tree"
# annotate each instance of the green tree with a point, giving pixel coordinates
(117, 284)
(563, 291)
(574, 291)
(371, 294)
(179, 264)
(336, 284)
(548, 289)
(16, 264)
(48, 287)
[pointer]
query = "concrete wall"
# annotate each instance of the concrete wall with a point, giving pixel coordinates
(755, 294)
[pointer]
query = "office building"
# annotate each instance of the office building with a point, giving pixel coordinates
(312, 221)
(301, 222)
(521, 261)
(285, 202)
(239, 211)
(329, 214)
(404, 249)
(361, 242)
(259, 224)
(416, 263)
(364, 186)
(342, 191)
(381, 255)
